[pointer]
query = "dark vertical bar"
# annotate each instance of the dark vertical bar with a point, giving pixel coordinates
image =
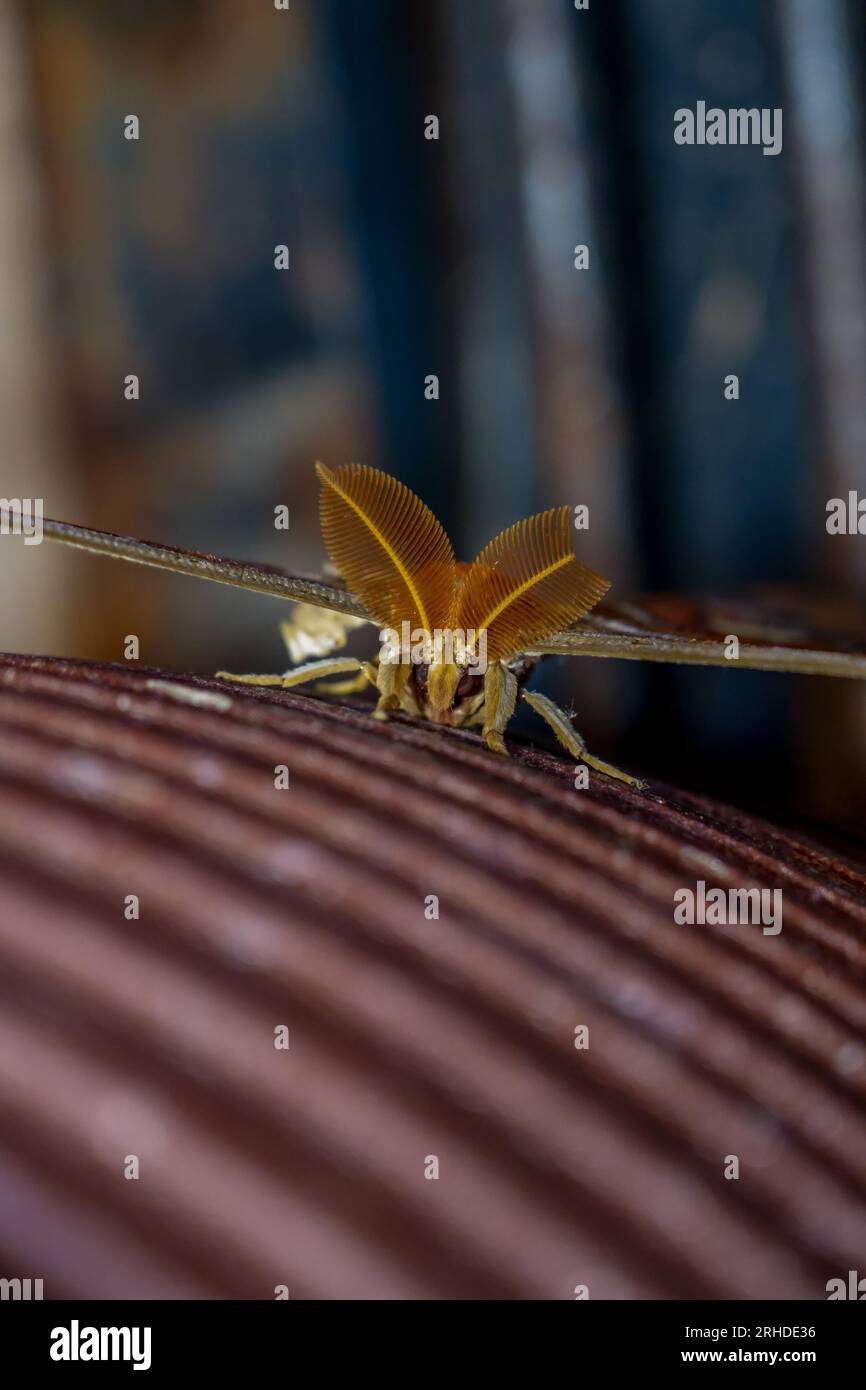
(819, 45)
(498, 405)
(388, 86)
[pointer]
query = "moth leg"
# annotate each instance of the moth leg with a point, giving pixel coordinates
(500, 698)
(366, 676)
(475, 713)
(391, 681)
(570, 739)
(312, 671)
(409, 700)
(248, 680)
(313, 631)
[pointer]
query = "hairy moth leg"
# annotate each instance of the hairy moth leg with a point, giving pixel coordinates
(391, 681)
(409, 700)
(316, 632)
(313, 671)
(500, 698)
(570, 739)
(475, 712)
(366, 676)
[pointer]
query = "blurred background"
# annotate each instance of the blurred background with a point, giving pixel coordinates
(452, 257)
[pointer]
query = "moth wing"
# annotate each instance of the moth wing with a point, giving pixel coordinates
(526, 584)
(240, 574)
(389, 547)
(777, 631)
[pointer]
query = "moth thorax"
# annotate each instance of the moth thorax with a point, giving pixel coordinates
(418, 646)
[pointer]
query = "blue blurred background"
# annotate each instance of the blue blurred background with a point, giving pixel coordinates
(454, 257)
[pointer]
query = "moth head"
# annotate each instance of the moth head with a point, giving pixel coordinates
(445, 690)
(443, 678)
(395, 556)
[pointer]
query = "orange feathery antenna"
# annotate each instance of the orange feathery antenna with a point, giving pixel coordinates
(525, 585)
(393, 553)
(387, 545)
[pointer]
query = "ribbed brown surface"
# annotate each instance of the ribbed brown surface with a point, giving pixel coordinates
(409, 1037)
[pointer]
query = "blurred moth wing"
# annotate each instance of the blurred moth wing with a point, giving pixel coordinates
(777, 633)
(239, 574)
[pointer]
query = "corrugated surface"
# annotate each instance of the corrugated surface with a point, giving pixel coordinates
(409, 1037)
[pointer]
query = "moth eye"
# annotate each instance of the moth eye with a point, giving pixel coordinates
(421, 674)
(465, 685)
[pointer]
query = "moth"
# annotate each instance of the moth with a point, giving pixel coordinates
(524, 597)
